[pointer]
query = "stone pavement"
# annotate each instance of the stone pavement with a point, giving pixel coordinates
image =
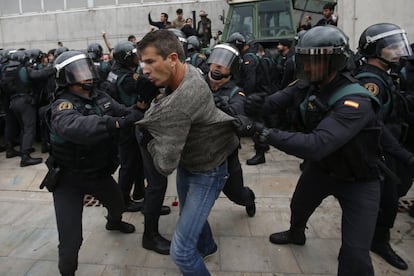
(28, 236)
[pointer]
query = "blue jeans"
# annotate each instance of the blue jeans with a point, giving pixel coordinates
(197, 192)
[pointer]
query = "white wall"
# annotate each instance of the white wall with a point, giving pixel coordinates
(77, 29)
(356, 15)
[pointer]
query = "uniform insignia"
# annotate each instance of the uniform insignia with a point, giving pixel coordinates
(135, 76)
(241, 94)
(351, 103)
(372, 88)
(247, 62)
(64, 105)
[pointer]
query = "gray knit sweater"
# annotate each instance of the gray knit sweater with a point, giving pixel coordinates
(188, 128)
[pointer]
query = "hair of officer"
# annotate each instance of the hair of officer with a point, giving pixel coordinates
(164, 41)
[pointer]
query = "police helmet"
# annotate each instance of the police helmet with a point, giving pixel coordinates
(385, 41)
(95, 51)
(35, 55)
(193, 43)
(238, 40)
(72, 67)
(227, 56)
(20, 56)
(60, 50)
(322, 51)
(182, 38)
(125, 53)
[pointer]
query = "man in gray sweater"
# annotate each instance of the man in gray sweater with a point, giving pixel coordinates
(188, 134)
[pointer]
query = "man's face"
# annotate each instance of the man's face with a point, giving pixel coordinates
(163, 18)
(393, 52)
(158, 70)
(219, 69)
(327, 13)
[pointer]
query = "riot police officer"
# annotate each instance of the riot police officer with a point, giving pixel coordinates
(95, 52)
(339, 137)
(194, 57)
(381, 46)
(122, 80)
(224, 62)
(83, 153)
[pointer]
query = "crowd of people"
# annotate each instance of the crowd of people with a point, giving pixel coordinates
(159, 105)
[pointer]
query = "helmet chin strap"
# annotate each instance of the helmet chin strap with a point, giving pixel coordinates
(396, 66)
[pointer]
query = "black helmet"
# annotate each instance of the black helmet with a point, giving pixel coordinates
(20, 56)
(227, 56)
(182, 38)
(35, 55)
(95, 51)
(125, 53)
(193, 43)
(72, 67)
(320, 52)
(382, 36)
(238, 40)
(60, 50)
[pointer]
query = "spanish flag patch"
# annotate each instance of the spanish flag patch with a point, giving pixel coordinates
(351, 103)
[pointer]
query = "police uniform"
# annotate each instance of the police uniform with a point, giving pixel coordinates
(131, 171)
(339, 143)
(83, 147)
(234, 188)
(381, 85)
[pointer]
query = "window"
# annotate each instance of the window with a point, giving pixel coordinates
(31, 6)
(53, 5)
(275, 19)
(74, 4)
(242, 21)
(9, 7)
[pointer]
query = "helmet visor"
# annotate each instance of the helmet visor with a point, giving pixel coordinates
(80, 70)
(223, 55)
(392, 48)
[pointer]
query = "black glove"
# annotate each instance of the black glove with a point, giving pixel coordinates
(130, 119)
(146, 137)
(245, 127)
(254, 105)
(147, 91)
(223, 104)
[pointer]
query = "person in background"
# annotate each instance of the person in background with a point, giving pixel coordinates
(162, 24)
(204, 29)
(329, 16)
(179, 21)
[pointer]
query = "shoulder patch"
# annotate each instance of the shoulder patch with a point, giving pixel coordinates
(135, 76)
(247, 62)
(351, 103)
(241, 94)
(64, 105)
(372, 88)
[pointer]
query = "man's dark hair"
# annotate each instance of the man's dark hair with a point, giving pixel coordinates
(179, 11)
(131, 37)
(165, 15)
(164, 41)
(329, 6)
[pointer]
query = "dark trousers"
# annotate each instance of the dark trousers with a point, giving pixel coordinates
(131, 168)
(11, 127)
(359, 202)
(68, 201)
(234, 188)
(156, 188)
(26, 114)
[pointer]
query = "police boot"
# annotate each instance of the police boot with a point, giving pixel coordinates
(296, 236)
(152, 240)
(411, 212)
(119, 225)
(251, 207)
(132, 206)
(381, 246)
(27, 160)
(44, 147)
(11, 152)
(259, 158)
(165, 210)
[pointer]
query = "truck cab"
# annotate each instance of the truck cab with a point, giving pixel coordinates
(268, 21)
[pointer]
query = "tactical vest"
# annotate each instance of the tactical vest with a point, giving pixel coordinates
(100, 158)
(358, 158)
(113, 87)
